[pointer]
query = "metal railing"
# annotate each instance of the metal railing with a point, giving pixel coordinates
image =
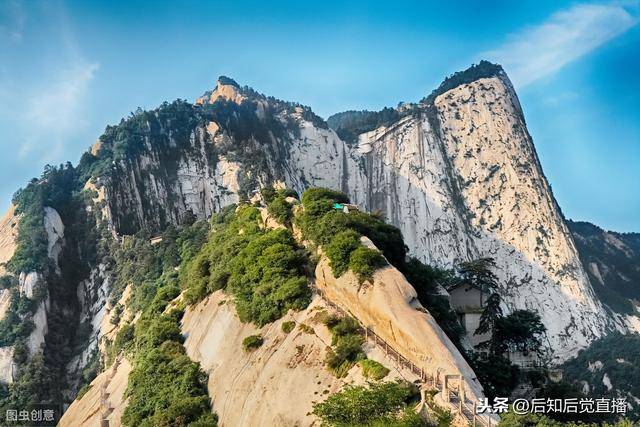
(455, 396)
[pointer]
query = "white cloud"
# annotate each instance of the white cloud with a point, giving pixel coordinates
(55, 107)
(54, 110)
(541, 51)
(43, 97)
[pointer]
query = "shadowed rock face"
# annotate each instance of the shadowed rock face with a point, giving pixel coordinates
(612, 261)
(458, 174)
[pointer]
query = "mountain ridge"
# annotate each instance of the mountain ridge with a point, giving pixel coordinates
(457, 173)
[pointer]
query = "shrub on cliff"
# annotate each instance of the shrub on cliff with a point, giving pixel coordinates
(281, 210)
(378, 404)
(319, 193)
(288, 326)
(252, 342)
(268, 193)
(364, 262)
(263, 269)
(339, 251)
(373, 370)
(166, 387)
(320, 223)
(346, 345)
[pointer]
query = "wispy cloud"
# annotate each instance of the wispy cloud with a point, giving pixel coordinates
(54, 111)
(542, 50)
(43, 97)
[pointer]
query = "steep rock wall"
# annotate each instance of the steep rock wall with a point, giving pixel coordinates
(104, 401)
(459, 177)
(148, 193)
(8, 236)
(388, 305)
(462, 180)
(277, 384)
(513, 214)
(27, 283)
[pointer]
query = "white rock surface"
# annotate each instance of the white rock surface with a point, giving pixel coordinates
(389, 306)
(36, 338)
(105, 400)
(93, 296)
(28, 282)
(221, 91)
(6, 365)
(55, 232)
(5, 302)
(473, 187)
(8, 235)
(607, 382)
(249, 389)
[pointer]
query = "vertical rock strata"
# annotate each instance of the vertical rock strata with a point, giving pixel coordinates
(458, 174)
(463, 181)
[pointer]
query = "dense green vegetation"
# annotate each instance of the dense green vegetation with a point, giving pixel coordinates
(380, 404)
(252, 342)
(349, 124)
(41, 379)
(280, 209)
(620, 358)
(339, 250)
(346, 345)
(495, 372)
(149, 266)
(481, 70)
(339, 234)
(262, 269)
(17, 324)
(165, 387)
(56, 188)
(520, 331)
(364, 262)
(373, 370)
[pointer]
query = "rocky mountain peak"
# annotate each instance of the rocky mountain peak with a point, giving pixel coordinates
(226, 88)
(483, 69)
(457, 174)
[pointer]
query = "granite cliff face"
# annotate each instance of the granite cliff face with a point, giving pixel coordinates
(29, 283)
(457, 173)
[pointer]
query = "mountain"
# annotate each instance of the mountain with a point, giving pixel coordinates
(103, 244)
(612, 261)
(457, 173)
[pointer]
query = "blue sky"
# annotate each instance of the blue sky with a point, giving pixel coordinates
(68, 68)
